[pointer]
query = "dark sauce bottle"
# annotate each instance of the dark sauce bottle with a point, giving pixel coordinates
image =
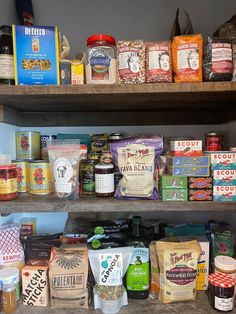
(6, 56)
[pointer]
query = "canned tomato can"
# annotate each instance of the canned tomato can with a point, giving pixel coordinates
(214, 141)
(27, 145)
(40, 177)
(22, 175)
(44, 140)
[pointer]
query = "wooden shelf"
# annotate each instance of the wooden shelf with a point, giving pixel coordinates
(144, 104)
(92, 204)
(200, 306)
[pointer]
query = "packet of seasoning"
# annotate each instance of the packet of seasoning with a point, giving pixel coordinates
(109, 267)
(64, 157)
(222, 238)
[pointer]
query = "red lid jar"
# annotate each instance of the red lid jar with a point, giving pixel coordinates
(101, 60)
(8, 182)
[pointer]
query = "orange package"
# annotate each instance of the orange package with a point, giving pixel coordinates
(187, 58)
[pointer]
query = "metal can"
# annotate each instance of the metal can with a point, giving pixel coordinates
(214, 141)
(87, 176)
(44, 140)
(22, 175)
(27, 145)
(40, 177)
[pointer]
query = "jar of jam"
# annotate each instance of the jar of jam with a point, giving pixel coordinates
(221, 292)
(8, 182)
(214, 141)
(104, 180)
(6, 56)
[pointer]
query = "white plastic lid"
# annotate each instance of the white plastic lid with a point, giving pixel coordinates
(225, 263)
(102, 166)
(9, 274)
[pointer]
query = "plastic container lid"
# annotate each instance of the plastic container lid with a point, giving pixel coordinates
(9, 287)
(102, 166)
(9, 274)
(225, 263)
(222, 280)
(7, 167)
(101, 37)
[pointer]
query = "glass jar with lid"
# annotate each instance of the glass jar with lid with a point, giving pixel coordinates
(101, 60)
(104, 180)
(6, 56)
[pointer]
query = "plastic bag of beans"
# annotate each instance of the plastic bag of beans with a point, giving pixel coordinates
(218, 60)
(187, 58)
(158, 63)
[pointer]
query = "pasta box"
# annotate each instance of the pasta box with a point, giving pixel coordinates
(174, 194)
(223, 160)
(173, 182)
(186, 148)
(36, 55)
(189, 171)
(224, 193)
(224, 177)
(200, 182)
(201, 161)
(200, 194)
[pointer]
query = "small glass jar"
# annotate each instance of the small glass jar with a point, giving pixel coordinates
(104, 180)
(225, 265)
(8, 182)
(9, 298)
(101, 60)
(6, 56)
(214, 141)
(87, 176)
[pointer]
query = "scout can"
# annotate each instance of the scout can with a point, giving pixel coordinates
(22, 175)
(27, 145)
(40, 178)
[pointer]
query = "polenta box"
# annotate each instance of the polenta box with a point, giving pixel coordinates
(175, 195)
(200, 182)
(224, 193)
(35, 285)
(223, 160)
(36, 55)
(201, 161)
(186, 148)
(224, 177)
(173, 182)
(189, 171)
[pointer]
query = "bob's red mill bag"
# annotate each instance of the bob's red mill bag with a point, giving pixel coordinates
(178, 269)
(68, 275)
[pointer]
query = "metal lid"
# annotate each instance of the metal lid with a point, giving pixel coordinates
(41, 161)
(215, 133)
(7, 167)
(225, 263)
(116, 136)
(6, 29)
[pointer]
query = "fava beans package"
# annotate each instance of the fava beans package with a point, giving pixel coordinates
(137, 160)
(187, 58)
(109, 267)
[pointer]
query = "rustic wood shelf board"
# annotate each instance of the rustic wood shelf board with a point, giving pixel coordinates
(201, 103)
(50, 203)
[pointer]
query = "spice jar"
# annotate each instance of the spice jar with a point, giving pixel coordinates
(214, 141)
(101, 60)
(225, 265)
(8, 182)
(104, 180)
(221, 292)
(6, 56)
(9, 298)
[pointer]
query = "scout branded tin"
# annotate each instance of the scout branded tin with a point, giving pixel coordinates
(202, 161)
(40, 178)
(224, 193)
(186, 148)
(224, 177)
(27, 145)
(22, 175)
(225, 160)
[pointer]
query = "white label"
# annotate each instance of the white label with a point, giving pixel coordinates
(6, 67)
(224, 304)
(226, 157)
(63, 173)
(182, 145)
(104, 183)
(188, 59)
(224, 174)
(129, 60)
(221, 54)
(110, 269)
(224, 190)
(159, 60)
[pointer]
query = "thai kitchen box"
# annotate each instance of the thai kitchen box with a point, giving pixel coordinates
(36, 55)
(224, 177)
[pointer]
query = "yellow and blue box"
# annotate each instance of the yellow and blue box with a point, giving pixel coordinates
(36, 55)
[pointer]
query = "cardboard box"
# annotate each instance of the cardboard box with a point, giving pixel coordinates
(186, 148)
(36, 55)
(224, 193)
(175, 195)
(200, 195)
(35, 285)
(174, 182)
(223, 161)
(202, 161)
(200, 182)
(189, 171)
(224, 177)
(77, 72)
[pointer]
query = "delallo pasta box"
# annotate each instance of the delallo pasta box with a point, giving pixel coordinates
(36, 55)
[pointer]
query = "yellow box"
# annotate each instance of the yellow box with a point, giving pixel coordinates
(77, 72)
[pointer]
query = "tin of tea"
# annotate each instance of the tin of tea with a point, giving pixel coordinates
(44, 140)
(22, 175)
(40, 177)
(27, 145)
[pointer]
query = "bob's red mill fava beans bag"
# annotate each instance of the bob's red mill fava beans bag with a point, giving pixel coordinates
(68, 275)
(178, 269)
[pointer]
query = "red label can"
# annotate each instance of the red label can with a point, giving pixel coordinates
(214, 141)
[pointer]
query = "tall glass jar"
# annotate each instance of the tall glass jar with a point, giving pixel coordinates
(6, 56)
(101, 60)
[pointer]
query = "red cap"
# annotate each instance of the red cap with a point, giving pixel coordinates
(222, 280)
(101, 37)
(7, 167)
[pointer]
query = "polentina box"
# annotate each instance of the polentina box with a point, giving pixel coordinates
(186, 148)
(35, 285)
